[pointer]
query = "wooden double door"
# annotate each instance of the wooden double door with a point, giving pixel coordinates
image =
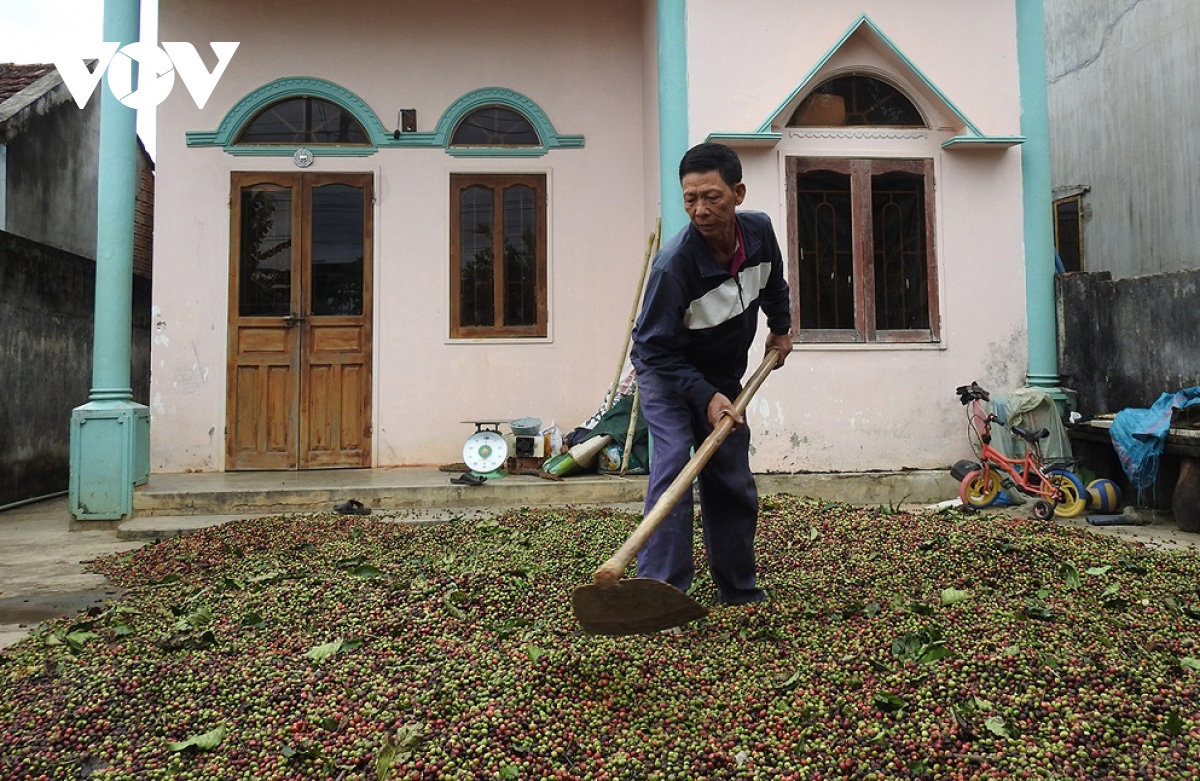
(300, 309)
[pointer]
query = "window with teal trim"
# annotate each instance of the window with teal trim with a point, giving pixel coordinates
(495, 126)
(304, 120)
(855, 100)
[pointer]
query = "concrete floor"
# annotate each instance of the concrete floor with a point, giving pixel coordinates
(1154, 529)
(41, 574)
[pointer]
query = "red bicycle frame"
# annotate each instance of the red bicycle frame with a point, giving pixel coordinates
(1026, 473)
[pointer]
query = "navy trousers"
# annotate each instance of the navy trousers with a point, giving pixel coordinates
(728, 501)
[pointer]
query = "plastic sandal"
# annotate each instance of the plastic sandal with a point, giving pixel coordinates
(468, 478)
(351, 507)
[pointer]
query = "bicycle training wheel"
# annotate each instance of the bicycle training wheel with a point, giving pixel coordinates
(1074, 494)
(979, 488)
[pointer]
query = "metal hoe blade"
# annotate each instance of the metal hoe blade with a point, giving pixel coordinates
(633, 607)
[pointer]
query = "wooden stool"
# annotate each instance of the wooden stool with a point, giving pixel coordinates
(1185, 504)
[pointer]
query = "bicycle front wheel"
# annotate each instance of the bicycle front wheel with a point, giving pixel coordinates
(1074, 498)
(979, 488)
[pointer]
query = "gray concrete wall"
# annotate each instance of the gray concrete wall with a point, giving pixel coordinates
(53, 153)
(1123, 85)
(46, 318)
(1124, 342)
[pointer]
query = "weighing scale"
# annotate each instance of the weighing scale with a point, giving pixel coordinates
(486, 450)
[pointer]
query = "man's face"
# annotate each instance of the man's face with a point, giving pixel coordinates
(711, 203)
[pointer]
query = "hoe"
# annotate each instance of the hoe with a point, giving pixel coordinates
(615, 606)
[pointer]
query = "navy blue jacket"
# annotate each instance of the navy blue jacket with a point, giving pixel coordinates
(698, 321)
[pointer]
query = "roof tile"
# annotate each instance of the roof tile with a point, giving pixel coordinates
(15, 77)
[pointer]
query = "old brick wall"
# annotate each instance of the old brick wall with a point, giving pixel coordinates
(143, 217)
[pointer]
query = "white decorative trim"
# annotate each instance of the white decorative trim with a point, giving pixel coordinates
(907, 135)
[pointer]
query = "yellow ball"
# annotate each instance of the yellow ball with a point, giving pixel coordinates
(1103, 496)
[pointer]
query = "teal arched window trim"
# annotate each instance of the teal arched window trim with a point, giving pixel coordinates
(499, 96)
(249, 107)
(281, 89)
(969, 136)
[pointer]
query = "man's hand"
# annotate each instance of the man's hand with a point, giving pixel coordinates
(720, 406)
(782, 343)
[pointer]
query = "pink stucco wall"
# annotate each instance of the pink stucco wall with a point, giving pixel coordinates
(853, 407)
(582, 67)
(592, 70)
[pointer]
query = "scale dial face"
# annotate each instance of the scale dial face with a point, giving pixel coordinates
(485, 451)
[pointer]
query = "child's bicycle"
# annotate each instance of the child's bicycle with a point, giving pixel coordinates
(1058, 490)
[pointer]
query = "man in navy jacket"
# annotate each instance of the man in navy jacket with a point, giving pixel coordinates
(698, 321)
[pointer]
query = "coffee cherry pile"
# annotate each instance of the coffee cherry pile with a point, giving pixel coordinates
(896, 645)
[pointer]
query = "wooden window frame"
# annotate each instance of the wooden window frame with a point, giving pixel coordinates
(860, 171)
(498, 182)
(1058, 203)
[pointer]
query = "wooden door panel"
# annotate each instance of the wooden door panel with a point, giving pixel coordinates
(321, 415)
(337, 339)
(335, 423)
(265, 436)
(265, 341)
(356, 432)
(335, 412)
(280, 417)
(264, 367)
(335, 402)
(300, 321)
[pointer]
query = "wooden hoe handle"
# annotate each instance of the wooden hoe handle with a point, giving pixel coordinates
(609, 573)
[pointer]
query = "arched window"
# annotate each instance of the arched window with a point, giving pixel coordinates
(495, 126)
(305, 120)
(856, 100)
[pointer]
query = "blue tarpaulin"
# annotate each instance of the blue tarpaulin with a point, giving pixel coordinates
(1139, 436)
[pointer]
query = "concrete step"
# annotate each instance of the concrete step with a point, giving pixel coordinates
(380, 489)
(400, 489)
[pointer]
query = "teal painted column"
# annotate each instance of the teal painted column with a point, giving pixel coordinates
(1041, 316)
(110, 434)
(672, 110)
(114, 223)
